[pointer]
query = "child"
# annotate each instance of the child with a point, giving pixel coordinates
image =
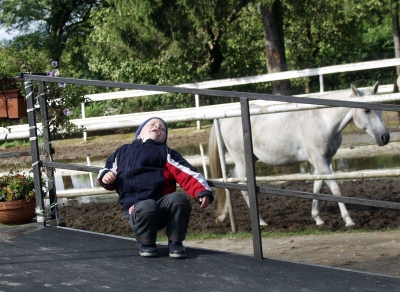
(144, 174)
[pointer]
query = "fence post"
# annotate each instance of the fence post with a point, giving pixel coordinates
(251, 178)
(83, 117)
(321, 83)
(197, 101)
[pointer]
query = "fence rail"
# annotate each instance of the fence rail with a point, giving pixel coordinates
(206, 113)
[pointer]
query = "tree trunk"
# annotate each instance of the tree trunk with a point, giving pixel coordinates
(396, 33)
(396, 40)
(272, 20)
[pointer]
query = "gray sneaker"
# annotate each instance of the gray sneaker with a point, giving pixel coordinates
(176, 250)
(148, 250)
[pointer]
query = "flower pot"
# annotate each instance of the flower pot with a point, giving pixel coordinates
(17, 212)
(12, 104)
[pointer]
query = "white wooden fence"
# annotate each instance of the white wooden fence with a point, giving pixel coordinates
(211, 112)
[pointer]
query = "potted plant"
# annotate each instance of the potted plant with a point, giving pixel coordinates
(17, 198)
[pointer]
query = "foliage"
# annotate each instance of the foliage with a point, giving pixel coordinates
(180, 41)
(174, 42)
(16, 186)
(170, 42)
(14, 61)
(325, 33)
(55, 22)
(62, 99)
(244, 51)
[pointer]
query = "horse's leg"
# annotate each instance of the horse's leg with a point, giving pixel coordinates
(237, 154)
(223, 204)
(246, 198)
(222, 207)
(315, 204)
(240, 171)
(334, 187)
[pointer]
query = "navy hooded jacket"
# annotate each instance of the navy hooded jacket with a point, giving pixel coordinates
(150, 170)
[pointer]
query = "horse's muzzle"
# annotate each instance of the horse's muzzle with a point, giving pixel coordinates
(384, 139)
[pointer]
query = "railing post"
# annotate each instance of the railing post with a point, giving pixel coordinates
(48, 151)
(251, 178)
(36, 163)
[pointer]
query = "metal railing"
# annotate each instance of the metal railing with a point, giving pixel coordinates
(244, 97)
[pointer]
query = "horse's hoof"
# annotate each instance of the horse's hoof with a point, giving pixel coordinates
(350, 227)
(217, 221)
(220, 218)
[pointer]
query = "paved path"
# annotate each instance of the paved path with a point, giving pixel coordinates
(36, 258)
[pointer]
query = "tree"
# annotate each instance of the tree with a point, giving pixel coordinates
(55, 22)
(272, 19)
(396, 30)
(187, 34)
(173, 42)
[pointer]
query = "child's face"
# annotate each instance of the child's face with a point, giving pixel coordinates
(154, 130)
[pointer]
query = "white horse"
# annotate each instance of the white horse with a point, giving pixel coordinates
(293, 137)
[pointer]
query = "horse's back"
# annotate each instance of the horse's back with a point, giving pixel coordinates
(278, 138)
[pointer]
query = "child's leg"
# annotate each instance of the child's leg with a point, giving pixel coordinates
(145, 218)
(175, 213)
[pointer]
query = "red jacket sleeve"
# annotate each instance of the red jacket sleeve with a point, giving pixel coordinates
(187, 176)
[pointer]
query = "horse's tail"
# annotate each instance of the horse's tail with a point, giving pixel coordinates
(216, 172)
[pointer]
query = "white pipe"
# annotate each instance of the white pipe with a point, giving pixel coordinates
(90, 174)
(197, 102)
(256, 79)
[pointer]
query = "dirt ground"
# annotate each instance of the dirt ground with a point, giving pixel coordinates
(372, 246)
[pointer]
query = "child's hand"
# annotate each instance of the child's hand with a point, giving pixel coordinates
(204, 202)
(109, 178)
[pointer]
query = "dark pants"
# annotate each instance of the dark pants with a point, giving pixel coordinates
(171, 212)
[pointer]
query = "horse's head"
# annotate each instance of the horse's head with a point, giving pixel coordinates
(370, 120)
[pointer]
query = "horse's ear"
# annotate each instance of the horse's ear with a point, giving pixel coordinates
(374, 89)
(355, 90)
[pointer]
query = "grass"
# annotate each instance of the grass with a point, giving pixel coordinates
(14, 143)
